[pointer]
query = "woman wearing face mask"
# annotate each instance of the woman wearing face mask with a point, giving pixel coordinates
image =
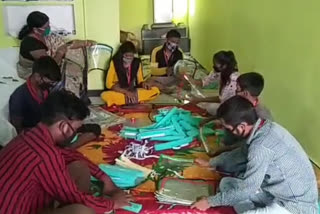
(36, 43)
(125, 79)
(225, 73)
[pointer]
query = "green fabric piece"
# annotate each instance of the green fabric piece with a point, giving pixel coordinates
(158, 118)
(193, 133)
(173, 144)
(96, 187)
(177, 126)
(168, 166)
(185, 125)
(156, 133)
(194, 121)
(134, 207)
(166, 138)
(75, 139)
(214, 85)
(179, 161)
(167, 117)
(132, 129)
(208, 131)
(124, 178)
(174, 127)
(170, 126)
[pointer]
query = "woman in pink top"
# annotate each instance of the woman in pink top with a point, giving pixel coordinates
(225, 72)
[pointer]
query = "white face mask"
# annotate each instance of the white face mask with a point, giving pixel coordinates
(127, 60)
(171, 46)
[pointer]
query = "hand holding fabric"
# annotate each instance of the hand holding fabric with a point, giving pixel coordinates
(121, 200)
(62, 50)
(202, 162)
(131, 97)
(202, 204)
(146, 85)
(170, 71)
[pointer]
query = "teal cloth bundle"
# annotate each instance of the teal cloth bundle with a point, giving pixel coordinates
(174, 127)
(124, 178)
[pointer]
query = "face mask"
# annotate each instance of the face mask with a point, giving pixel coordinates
(45, 86)
(47, 31)
(127, 60)
(171, 46)
(216, 69)
(69, 140)
(75, 139)
(232, 138)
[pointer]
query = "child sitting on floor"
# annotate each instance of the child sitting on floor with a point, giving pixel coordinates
(125, 79)
(163, 60)
(250, 85)
(278, 177)
(225, 73)
(233, 156)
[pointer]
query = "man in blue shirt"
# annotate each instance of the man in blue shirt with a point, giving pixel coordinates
(25, 102)
(279, 177)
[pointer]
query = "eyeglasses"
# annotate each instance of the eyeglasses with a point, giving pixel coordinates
(231, 130)
(69, 125)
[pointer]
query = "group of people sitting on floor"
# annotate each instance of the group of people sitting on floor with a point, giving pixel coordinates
(271, 172)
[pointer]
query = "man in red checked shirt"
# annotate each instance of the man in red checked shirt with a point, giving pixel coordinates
(35, 171)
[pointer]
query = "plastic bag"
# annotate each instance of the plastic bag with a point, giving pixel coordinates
(186, 70)
(99, 57)
(184, 192)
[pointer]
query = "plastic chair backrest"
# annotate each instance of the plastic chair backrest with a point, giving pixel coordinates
(98, 57)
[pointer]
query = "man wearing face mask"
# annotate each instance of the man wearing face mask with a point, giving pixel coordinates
(167, 55)
(279, 177)
(37, 171)
(232, 156)
(25, 102)
(163, 59)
